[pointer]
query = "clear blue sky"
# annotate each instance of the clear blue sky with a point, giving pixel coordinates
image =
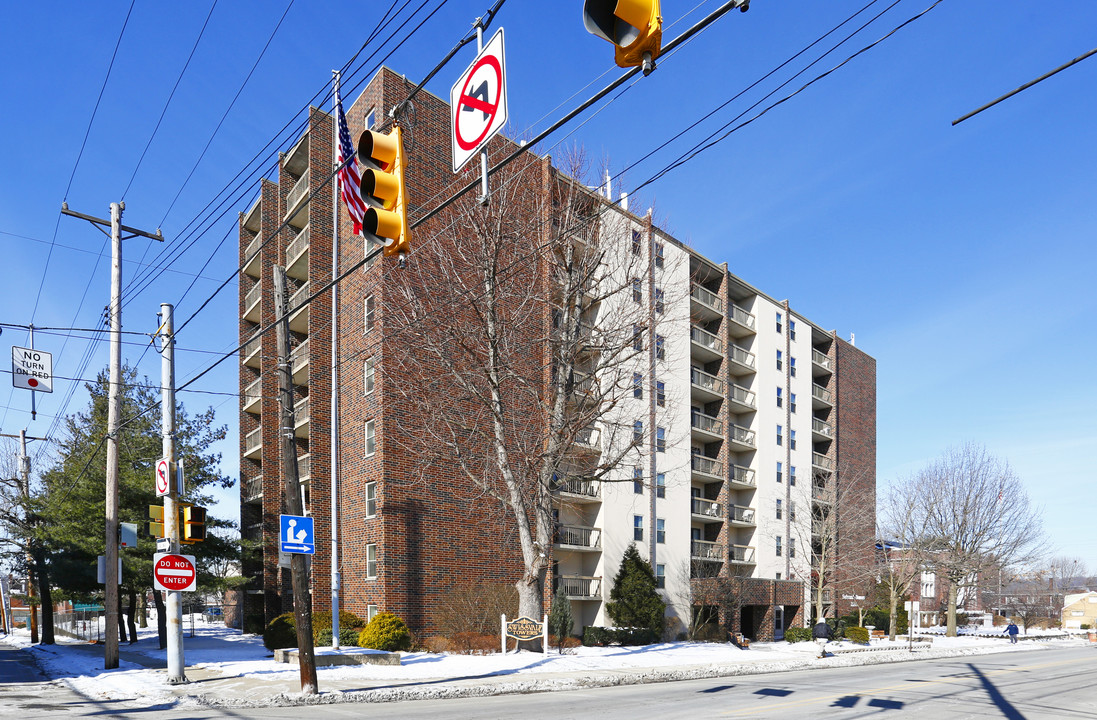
(962, 257)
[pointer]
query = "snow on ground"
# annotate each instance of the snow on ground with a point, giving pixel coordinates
(246, 669)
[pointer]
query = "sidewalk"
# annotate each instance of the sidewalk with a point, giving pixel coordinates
(226, 670)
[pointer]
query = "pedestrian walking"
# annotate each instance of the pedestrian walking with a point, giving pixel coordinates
(1012, 630)
(822, 633)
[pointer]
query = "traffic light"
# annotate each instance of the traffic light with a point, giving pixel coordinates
(384, 191)
(194, 524)
(634, 26)
(156, 527)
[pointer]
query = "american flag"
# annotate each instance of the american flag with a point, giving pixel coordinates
(349, 177)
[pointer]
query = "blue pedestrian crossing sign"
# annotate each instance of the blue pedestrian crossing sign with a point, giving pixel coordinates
(296, 535)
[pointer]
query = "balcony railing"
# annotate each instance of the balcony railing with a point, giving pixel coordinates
(820, 359)
(298, 297)
(579, 586)
(578, 536)
(820, 492)
(821, 393)
(706, 423)
(304, 467)
(742, 514)
(822, 461)
(706, 508)
(578, 486)
(743, 396)
(253, 440)
(298, 193)
(253, 488)
(742, 475)
(742, 435)
(703, 380)
(822, 427)
(705, 339)
(706, 297)
(299, 356)
(301, 412)
(704, 550)
(706, 465)
(742, 554)
(588, 438)
(297, 245)
(253, 246)
(253, 394)
(828, 595)
(743, 357)
(742, 317)
(254, 295)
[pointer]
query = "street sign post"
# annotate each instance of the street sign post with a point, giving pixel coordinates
(296, 535)
(174, 573)
(478, 102)
(32, 369)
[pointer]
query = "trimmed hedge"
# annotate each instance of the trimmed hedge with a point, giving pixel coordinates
(595, 636)
(348, 637)
(281, 632)
(857, 635)
(386, 632)
(798, 634)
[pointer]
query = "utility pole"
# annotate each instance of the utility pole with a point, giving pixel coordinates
(302, 610)
(24, 489)
(176, 671)
(114, 406)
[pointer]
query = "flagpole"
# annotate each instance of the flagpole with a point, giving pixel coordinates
(335, 575)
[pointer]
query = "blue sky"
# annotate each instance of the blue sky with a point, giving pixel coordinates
(962, 257)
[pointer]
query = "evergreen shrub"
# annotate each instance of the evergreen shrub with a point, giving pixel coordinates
(281, 632)
(797, 634)
(857, 635)
(386, 632)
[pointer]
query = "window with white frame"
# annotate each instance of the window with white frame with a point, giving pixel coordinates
(779, 466)
(637, 291)
(660, 439)
(659, 249)
(371, 612)
(371, 499)
(368, 310)
(637, 337)
(778, 359)
(778, 508)
(637, 481)
(638, 386)
(660, 485)
(778, 546)
(660, 530)
(779, 390)
(792, 546)
(791, 336)
(791, 366)
(792, 439)
(638, 528)
(658, 300)
(660, 393)
(660, 576)
(371, 560)
(780, 435)
(660, 348)
(371, 438)
(368, 374)
(792, 475)
(792, 402)
(778, 322)
(638, 431)
(636, 240)
(792, 510)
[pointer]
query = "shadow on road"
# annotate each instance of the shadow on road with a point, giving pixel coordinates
(1008, 711)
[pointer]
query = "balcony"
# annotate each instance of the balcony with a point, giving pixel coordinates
(299, 363)
(253, 265)
(250, 353)
(821, 461)
(742, 361)
(828, 595)
(253, 303)
(577, 538)
(580, 489)
(297, 159)
(304, 467)
(298, 313)
(821, 397)
(742, 400)
(704, 303)
(705, 387)
(297, 255)
(301, 418)
(253, 489)
(253, 444)
(706, 511)
(820, 493)
(741, 322)
(704, 345)
(742, 516)
(579, 587)
(296, 211)
(253, 397)
(820, 363)
(742, 554)
(742, 478)
(253, 219)
(705, 427)
(704, 550)
(589, 439)
(741, 438)
(706, 468)
(821, 429)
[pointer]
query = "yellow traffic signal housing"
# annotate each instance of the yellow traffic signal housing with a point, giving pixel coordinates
(194, 524)
(635, 27)
(384, 190)
(156, 514)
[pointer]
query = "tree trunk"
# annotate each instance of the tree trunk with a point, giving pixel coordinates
(142, 611)
(130, 616)
(531, 605)
(950, 630)
(47, 603)
(161, 618)
(121, 621)
(893, 617)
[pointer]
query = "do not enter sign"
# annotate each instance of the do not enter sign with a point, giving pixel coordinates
(174, 573)
(478, 102)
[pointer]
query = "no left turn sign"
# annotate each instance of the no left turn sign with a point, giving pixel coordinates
(478, 102)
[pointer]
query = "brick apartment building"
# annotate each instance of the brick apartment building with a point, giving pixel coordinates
(747, 419)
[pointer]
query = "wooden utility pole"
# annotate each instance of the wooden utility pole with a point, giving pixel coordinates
(114, 408)
(292, 501)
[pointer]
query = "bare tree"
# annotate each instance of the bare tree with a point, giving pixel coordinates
(516, 321)
(974, 514)
(902, 555)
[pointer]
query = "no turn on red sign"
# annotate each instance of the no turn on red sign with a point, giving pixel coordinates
(478, 102)
(174, 573)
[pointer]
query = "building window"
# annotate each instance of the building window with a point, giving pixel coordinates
(792, 402)
(636, 238)
(791, 336)
(370, 119)
(792, 366)
(661, 485)
(637, 481)
(779, 465)
(368, 375)
(778, 509)
(369, 313)
(778, 359)
(792, 510)
(371, 439)
(638, 385)
(371, 612)
(659, 254)
(371, 499)
(638, 528)
(660, 348)
(660, 439)
(778, 577)
(792, 543)
(371, 560)
(780, 437)
(791, 474)
(637, 337)
(660, 530)
(778, 546)
(660, 576)
(791, 439)
(660, 393)
(637, 291)
(778, 397)
(638, 431)
(658, 300)
(778, 322)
